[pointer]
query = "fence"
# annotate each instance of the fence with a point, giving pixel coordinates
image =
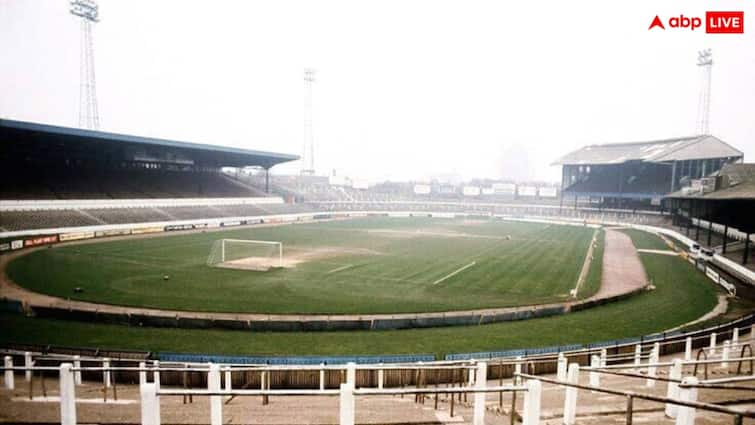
(680, 401)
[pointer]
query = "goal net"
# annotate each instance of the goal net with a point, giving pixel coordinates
(246, 254)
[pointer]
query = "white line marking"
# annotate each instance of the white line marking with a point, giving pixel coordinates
(459, 270)
(586, 265)
(341, 268)
(659, 251)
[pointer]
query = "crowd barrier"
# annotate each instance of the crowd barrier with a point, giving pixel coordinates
(293, 360)
(217, 382)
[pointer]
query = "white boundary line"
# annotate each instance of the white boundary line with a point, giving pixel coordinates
(338, 269)
(586, 265)
(459, 270)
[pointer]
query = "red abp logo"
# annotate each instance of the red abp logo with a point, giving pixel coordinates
(716, 22)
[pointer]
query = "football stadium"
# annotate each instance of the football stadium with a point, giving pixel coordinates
(148, 280)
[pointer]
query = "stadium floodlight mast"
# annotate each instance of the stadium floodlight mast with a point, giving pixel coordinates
(705, 62)
(89, 13)
(308, 152)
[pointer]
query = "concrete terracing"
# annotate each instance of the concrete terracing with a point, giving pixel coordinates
(592, 408)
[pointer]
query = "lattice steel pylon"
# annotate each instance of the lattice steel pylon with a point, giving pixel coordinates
(705, 63)
(308, 151)
(88, 12)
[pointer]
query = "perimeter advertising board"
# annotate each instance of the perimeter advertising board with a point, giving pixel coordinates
(40, 240)
(548, 192)
(75, 236)
(504, 188)
(422, 189)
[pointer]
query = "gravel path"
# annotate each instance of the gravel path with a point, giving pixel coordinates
(622, 269)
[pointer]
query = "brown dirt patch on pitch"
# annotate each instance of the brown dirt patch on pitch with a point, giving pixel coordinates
(293, 257)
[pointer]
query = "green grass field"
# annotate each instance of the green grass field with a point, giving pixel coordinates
(367, 265)
(682, 294)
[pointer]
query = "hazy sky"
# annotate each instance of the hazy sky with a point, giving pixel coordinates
(406, 89)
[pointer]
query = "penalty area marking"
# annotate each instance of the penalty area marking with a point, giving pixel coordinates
(453, 273)
(336, 270)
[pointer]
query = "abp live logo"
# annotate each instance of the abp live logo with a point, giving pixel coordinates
(716, 22)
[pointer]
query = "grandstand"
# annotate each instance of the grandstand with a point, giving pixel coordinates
(639, 174)
(40, 161)
(721, 206)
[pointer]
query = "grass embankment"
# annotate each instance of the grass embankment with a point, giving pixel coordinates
(681, 295)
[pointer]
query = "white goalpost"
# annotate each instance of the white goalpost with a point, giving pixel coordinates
(246, 254)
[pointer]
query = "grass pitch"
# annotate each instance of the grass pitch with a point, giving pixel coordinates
(359, 266)
(682, 294)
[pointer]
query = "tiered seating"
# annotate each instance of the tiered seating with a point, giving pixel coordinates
(120, 183)
(25, 220)
(193, 212)
(128, 215)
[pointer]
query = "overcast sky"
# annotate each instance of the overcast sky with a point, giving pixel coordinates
(406, 89)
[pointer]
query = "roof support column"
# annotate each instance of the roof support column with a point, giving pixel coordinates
(672, 210)
(710, 221)
(697, 226)
(673, 176)
(746, 254)
(726, 237)
(688, 223)
(267, 180)
(563, 179)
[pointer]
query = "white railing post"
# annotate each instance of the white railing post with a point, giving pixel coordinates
(603, 357)
(654, 356)
(216, 404)
(381, 378)
(142, 374)
(672, 390)
(150, 404)
(518, 370)
(531, 414)
(470, 374)
(570, 400)
(322, 376)
(735, 335)
(228, 380)
(686, 415)
(28, 363)
(481, 379)
(688, 348)
(725, 354)
(561, 367)
(77, 373)
(346, 404)
(106, 372)
(594, 376)
(351, 374)
(9, 378)
(712, 343)
(67, 395)
(156, 374)
(637, 355)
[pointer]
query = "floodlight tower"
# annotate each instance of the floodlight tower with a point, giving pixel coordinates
(88, 12)
(308, 152)
(705, 62)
